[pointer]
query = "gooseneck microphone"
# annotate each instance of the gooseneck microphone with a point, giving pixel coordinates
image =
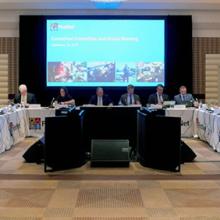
(51, 103)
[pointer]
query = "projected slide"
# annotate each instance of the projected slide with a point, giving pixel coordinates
(105, 52)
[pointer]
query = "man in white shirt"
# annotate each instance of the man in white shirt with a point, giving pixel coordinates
(23, 92)
(100, 98)
(24, 97)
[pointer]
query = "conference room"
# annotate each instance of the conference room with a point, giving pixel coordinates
(109, 110)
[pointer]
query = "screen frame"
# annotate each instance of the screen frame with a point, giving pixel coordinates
(31, 57)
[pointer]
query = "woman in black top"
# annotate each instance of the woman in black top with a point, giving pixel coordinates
(64, 98)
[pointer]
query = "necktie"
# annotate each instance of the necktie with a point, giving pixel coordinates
(130, 99)
(183, 98)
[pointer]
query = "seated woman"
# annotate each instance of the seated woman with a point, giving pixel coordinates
(64, 98)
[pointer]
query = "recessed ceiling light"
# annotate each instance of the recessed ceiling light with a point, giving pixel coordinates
(108, 1)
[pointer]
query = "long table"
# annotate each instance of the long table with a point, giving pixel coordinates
(188, 119)
(15, 126)
(208, 127)
(36, 117)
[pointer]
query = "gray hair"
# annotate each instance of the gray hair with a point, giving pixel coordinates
(22, 87)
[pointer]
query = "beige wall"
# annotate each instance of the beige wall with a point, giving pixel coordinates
(9, 45)
(201, 47)
(3, 79)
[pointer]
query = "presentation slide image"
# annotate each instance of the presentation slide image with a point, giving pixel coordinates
(126, 72)
(101, 71)
(79, 72)
(115, 52)
(67, 72)
(150, 72)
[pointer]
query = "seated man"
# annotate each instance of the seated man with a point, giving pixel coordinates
(100, 98)
(129, 98)
(64, 98)
(159, 97)
(184, 98)
(24, 97)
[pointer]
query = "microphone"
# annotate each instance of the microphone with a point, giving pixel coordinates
(51, 103)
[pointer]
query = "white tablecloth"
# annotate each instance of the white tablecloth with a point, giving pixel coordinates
(37, 120)
(199, 122)
(15, 126)
(215, 141)
(187, 120)
(5, 137)
(208, 128)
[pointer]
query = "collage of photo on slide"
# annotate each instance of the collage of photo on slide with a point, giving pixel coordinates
(105, 72)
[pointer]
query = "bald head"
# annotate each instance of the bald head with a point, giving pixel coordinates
(23, 89)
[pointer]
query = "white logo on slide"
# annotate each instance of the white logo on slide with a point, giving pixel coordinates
(66, 26)
(56, 26)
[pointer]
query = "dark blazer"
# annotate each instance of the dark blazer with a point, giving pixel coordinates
(123, 99)
(63, 99)
(105, 99)
(30, 98)
(188, 98)
(153, 98)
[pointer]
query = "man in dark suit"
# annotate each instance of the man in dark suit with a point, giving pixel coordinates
(24, 97)
(100, 99)
(159, 97)
(129, 98)
(184, 97)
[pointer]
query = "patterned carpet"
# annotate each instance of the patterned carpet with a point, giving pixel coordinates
(134, 193)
